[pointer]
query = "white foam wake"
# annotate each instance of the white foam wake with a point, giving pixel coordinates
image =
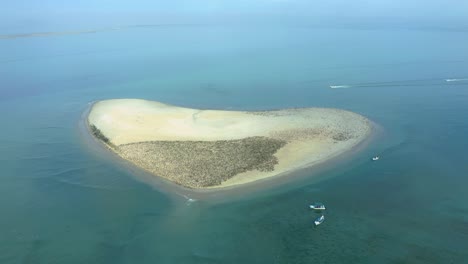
(339, 86)
(188, 199)
(456, 80)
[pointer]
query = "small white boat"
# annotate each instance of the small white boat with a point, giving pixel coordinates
(375, 158)
(319, 220)
(317, 206)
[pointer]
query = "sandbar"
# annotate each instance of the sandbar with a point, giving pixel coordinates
(203, 149)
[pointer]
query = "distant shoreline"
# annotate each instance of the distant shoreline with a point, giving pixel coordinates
(287, 159)
(48, 34)
(90, 31)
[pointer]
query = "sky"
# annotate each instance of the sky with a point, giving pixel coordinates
(115, 12)
(359, 7)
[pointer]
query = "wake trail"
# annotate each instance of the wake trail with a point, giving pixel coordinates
(457, 80)
(403, 83)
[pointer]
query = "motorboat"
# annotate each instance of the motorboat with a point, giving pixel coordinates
(317, 206)
(319, 220)
(375, 158)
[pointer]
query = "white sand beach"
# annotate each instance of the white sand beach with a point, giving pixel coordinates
(215, 148)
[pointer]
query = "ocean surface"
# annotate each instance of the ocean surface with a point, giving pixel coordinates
(63, 202)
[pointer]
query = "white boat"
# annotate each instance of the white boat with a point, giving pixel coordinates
(375, 158)
(319, 220)
(317, 206)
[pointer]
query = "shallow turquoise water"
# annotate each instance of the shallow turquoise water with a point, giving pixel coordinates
(62, 203)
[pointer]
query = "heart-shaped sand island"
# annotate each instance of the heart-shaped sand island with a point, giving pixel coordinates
(214, 148)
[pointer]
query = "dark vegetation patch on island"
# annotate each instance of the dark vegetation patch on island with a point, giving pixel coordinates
(197, 164)
(99, 135)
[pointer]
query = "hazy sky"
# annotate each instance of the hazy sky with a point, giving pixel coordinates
(368, 7)
(147, 11)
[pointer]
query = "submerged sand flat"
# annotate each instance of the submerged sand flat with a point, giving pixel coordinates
(214, 148)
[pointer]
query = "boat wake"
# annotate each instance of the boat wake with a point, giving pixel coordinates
(339, 86)
(188, 200)
(457, 80)
(403, 83)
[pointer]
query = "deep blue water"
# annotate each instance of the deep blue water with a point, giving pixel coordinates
(62, 203)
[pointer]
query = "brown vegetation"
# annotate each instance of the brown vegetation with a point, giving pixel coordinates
(203, 163)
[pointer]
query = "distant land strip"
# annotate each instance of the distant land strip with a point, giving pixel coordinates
(49, 34)
(63, 33)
